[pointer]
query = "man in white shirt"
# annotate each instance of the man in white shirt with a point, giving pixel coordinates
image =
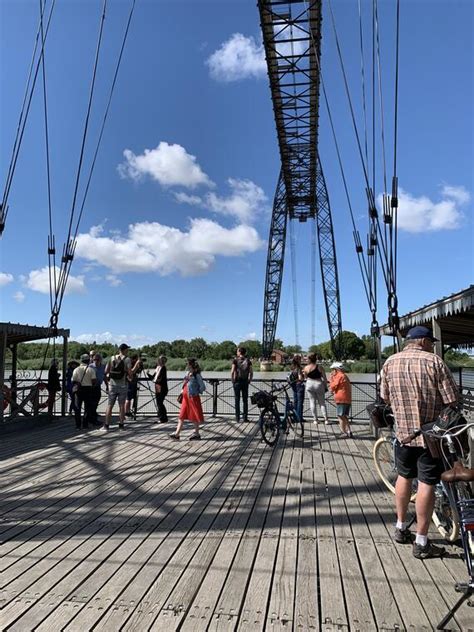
(83, 380)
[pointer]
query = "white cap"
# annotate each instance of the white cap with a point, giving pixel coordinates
(336, 365)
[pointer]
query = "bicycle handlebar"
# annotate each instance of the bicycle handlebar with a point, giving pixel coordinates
(431, 433)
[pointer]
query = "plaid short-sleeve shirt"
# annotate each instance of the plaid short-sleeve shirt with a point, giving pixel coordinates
(417, 385)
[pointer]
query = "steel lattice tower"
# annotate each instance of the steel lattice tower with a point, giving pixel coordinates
(292, 40)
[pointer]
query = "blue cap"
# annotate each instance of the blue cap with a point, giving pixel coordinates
(415, 333)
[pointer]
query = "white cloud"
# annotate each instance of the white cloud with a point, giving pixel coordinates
(245, 202)
(113, 280)
(421, 214)
(135, 340)
(184, 198)
(38, 281)
(19, 296)
(250, 336)
(5, 278)
(460, 194)
(238, 58)
(170, 165)
(153, 247)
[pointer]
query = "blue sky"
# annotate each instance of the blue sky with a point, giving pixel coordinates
(173, 239)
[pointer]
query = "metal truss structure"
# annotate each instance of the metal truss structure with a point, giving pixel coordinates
(292, 40)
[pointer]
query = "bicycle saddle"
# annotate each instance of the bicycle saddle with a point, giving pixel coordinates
(458, 473)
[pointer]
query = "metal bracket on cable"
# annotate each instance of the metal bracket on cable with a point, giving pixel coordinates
(373, 214)
(68, 251)
(387, 210)
(393, 318)
(51, 245)
(394, 200)
(358, 244)
(3, 217)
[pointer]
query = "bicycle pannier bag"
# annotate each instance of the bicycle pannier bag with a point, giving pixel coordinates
(450, 418)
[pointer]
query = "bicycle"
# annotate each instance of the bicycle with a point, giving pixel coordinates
(457, 481)
(383, 451)
(270, 421)
(384, 459)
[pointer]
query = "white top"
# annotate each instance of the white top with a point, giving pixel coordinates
(84, 375)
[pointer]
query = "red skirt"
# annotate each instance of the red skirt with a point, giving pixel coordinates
(191, 408)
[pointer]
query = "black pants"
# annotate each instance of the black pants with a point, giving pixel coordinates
(160, 404)
(95, 399)
(241, 386)
(84, 396)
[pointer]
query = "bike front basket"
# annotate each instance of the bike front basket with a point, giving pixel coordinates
(262, 399)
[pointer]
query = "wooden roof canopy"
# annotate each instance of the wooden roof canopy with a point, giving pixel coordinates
(454, 315)
(16, 333)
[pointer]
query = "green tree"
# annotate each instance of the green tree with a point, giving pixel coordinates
(369, 344)
(352, 346)
(323, 350)
(278, 344)
(197, 348)
(225, 350)
(293, 349)
(254, 348)
(388, 351)
(179, 349)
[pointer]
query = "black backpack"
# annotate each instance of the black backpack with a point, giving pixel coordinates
(242, 366)
(117, 369)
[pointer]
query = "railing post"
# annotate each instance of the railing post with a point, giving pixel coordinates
(215, 384)
(64, 367)
(460, 379)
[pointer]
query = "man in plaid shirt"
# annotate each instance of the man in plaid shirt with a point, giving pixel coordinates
(418, 385)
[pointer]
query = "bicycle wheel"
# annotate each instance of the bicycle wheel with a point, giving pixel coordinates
(445, 518)
(295, 424)
(465, 493)
(384, 460)
(269, 427)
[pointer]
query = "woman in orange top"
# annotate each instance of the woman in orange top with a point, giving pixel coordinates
(341, 387)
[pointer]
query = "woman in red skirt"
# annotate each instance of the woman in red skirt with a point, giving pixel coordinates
(191, 409)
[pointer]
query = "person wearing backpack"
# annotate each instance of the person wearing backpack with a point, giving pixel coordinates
(241, 375)
(191, 408)
(117, 371)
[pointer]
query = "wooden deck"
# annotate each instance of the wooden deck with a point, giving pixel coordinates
(131, 531)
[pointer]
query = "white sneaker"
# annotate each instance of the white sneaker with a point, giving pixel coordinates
(326, 422)
(315, 421)
(105, 428)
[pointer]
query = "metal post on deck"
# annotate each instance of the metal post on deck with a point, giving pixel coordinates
(438, 345)
(63, 390)
(14, 350)
(215, 384)
(3, 350)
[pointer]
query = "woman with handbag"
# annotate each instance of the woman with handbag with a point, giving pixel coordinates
(161, 388)
(191, 409)
(316, 387)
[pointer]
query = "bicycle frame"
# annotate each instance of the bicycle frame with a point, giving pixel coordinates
(464, 509)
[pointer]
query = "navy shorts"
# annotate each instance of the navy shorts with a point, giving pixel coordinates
(416, 462)
(132, 391)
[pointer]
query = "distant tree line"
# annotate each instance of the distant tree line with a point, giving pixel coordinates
(355, 348)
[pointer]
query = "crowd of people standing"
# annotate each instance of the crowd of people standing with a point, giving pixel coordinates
(119, 377)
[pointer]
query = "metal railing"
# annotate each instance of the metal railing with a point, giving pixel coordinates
(218, 400)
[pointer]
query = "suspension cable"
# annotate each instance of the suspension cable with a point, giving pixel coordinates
(23, 120)
(51, 248)
(358, 245)
(362, 68)
(70, 246)
(313, 282)
(293, 279)
(379, 71)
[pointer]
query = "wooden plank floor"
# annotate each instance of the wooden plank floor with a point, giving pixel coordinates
(132, 531)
